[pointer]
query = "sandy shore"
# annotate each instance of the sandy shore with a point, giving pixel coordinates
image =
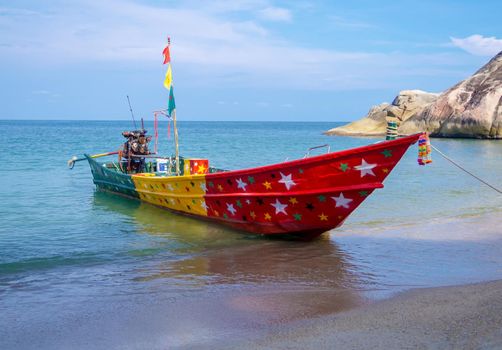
(459, 317)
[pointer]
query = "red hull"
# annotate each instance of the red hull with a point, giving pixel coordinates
(320, 192)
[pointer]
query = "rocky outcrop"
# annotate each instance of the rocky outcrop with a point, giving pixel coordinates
(471, 108)
(405, 105)
(371, 125)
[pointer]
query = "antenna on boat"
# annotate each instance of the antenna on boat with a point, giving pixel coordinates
(132, 114)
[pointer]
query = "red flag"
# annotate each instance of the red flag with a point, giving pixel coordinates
(167, 55)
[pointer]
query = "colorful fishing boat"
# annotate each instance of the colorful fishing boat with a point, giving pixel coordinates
(303, 197)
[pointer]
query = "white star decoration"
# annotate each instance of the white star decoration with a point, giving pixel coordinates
(203, 186)
(365, 168)
(231, 209)
(241, 184)
(341, 201)
(279, 207)
(287, 181)
(204, 205)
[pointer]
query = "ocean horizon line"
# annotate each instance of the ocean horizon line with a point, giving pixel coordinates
(179, 121)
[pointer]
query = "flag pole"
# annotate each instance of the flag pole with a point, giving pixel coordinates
(176, 144)
(173, 117)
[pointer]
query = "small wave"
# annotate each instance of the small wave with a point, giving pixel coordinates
(50, 262)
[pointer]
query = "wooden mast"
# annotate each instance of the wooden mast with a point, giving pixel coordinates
(176, 144)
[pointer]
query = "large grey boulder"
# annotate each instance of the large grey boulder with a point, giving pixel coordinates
(471, 108)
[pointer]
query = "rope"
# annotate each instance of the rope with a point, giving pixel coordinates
(463, 169)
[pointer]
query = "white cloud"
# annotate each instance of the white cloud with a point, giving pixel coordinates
(119, 30)
(212, 48)
(45, 94)
(277, 14)
(479, 45)
(16, 12)
(40, 92)
(347, 23)
(223, 6)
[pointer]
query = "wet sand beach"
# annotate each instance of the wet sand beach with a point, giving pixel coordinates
(341, 291)
(455, 317)
(458, 317)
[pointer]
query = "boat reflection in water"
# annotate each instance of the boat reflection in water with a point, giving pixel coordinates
(285, 279)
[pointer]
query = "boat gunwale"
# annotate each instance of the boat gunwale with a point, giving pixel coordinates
(410, 139)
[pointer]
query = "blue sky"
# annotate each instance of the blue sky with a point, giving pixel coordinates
(235, 60)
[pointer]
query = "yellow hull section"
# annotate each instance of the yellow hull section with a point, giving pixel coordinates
(181, 193)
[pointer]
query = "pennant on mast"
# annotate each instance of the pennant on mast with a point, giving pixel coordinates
(168, 81)
(171, 105)
(167, 55)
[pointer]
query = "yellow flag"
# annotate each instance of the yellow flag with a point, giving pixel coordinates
(169, 78)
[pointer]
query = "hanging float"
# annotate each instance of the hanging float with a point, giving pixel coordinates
(424, 150)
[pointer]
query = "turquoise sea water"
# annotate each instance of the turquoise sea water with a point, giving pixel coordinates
(76, 263)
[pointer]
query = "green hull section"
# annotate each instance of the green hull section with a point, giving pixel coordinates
(111, 179)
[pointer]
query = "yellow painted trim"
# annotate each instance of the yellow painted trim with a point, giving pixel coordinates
(180, 193)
